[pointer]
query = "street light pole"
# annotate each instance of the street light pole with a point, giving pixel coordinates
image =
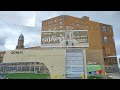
(85, 64)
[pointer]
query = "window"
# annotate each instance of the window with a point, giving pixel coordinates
(55, 28)
(54, 20)
(86, 27)
(65, 17)
(61, 35)
(32, 68)
(23, 68)
(0, 61)
(60, 26)
(61, 18)
(98, 26)
(72, 28)
(54, 24)
(77, 20)
(66, 42)
(77, 24)
(72, 44)
(104, 28)
(92, 28)
(72, 23)
(36, 68)
(105, 39)
(82, 22)
(27, 68)
(111, 29)
(19, 68)
(49, 22)
(61, 22)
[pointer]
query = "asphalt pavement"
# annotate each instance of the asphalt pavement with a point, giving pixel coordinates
(115, 75)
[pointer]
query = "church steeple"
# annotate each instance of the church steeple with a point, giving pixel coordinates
(21, 36)
(20, 44)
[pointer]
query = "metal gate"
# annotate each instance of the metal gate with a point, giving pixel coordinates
(74, 63)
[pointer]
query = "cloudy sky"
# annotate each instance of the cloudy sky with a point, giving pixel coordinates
(13, 23)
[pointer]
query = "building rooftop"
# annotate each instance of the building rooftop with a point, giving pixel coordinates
(75, 17)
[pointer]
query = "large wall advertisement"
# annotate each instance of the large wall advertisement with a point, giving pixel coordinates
(68, 38)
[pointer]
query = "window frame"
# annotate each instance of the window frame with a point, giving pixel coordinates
(61, 23)
(55, 20)
(61, 27)
(106, 39)
(104, 28)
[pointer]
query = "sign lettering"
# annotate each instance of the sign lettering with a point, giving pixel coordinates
(74, 38)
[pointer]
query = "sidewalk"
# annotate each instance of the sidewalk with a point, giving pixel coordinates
(115, 75)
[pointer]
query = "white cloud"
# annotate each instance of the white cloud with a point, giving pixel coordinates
(44, 15)
(10, 34)
(25, 18)
(31, 22)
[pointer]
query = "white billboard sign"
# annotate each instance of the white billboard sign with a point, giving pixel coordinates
(65, 38)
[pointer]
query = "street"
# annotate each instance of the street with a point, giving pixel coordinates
(115, 75)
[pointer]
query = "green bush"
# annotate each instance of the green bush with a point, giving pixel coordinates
(99, 77)
(26, 76)
(95, 77)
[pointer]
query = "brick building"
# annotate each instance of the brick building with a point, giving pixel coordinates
(101, 37)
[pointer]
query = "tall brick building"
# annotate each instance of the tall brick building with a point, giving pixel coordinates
(101, 42)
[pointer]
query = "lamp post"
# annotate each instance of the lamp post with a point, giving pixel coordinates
(85, 64)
